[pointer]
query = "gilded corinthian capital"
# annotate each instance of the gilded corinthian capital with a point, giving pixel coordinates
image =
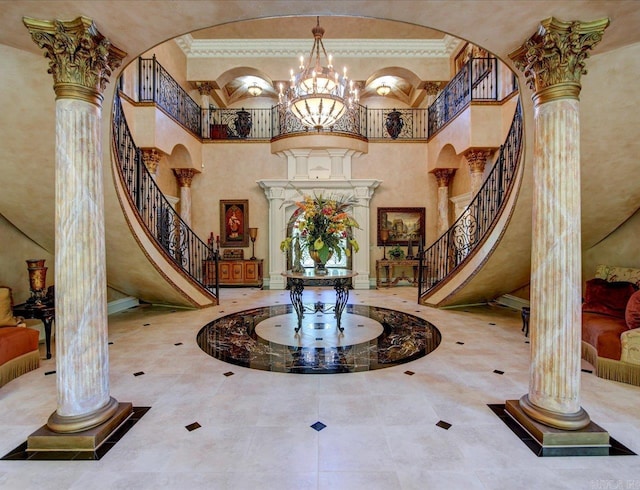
(555, 55)
(80, 58)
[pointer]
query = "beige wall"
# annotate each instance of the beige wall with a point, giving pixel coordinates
(15, 249)
(621, 248)
(231, 171)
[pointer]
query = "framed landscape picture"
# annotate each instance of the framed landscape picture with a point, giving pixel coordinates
(234, 223)
(403, 224)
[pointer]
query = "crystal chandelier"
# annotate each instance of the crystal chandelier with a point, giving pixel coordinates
(318, 95)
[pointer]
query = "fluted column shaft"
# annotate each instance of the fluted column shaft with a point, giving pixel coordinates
(80, 274)
(556, 258)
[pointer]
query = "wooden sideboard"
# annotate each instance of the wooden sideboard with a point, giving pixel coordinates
(240, 272)
(396, 271)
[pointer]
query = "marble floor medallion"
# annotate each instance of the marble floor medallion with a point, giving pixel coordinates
(265, 338)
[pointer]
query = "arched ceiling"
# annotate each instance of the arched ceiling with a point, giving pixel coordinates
(409, 59)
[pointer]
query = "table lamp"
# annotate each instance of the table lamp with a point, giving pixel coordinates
(384, 236)
(253, 234)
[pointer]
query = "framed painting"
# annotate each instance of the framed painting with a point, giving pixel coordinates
(234, 223)
(402, 225)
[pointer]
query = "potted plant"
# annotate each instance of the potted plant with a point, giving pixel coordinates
(396, 253)
(325, 222)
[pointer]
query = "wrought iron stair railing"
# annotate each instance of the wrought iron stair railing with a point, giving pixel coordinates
(449, 251)
(175, 237)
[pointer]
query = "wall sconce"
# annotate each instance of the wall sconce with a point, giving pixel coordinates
(253, 234)
(383, 89)
(254, 89)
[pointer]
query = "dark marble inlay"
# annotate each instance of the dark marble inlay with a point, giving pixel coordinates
(228, 373)
(318, 426)
(444, 425)
(233, 339)
(20, 453)
(587, 371)
(497, 371)
(616, 448)
(178, 343)
(139, 373)
(193, 426)
(409, 373)
(460, 343)
(48, 373)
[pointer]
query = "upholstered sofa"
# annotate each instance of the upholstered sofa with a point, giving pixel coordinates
(611, 324)
(19, 352)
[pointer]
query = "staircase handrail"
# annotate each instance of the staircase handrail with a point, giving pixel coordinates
(464, 236)
(181, 244)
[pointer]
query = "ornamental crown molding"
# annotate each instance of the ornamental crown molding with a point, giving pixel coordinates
(556, 53)
(81, 59)
(343, 48)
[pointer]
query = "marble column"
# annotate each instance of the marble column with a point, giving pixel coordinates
(151, 158)
(443, 177)
(185, 177)
(81, 61)
(477, 159)
(553, 61)
(205, 89)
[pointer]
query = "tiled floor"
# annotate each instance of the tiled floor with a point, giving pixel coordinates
(383, 429)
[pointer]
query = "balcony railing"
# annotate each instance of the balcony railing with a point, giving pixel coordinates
(469, 230)
(477, 80)
(156, 85)
(175, 237)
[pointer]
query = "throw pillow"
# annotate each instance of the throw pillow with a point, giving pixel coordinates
(6, 313)
(607, 298)
(632, 313)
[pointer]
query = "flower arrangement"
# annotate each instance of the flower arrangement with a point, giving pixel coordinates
(325, 222)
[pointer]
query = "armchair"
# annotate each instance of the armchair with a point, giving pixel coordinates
(19, 352)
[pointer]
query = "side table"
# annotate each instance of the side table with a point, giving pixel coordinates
(389, 267)
(340, 280)
(46, 313)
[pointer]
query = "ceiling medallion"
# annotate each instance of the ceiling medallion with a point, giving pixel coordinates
(318, 95)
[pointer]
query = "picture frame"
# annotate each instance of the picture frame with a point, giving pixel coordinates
(234, 223)
(403, 224)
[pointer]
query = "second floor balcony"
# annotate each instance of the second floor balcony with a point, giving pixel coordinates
(477, 81)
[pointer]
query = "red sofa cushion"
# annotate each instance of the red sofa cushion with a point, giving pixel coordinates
(607, 298)
(603, 332)
(16, 341)
(632, 312)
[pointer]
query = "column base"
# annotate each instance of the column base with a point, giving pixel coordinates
(44, 439)
(591, 440)
(562, 421)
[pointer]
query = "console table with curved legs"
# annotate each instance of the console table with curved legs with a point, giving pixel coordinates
(340, 280)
